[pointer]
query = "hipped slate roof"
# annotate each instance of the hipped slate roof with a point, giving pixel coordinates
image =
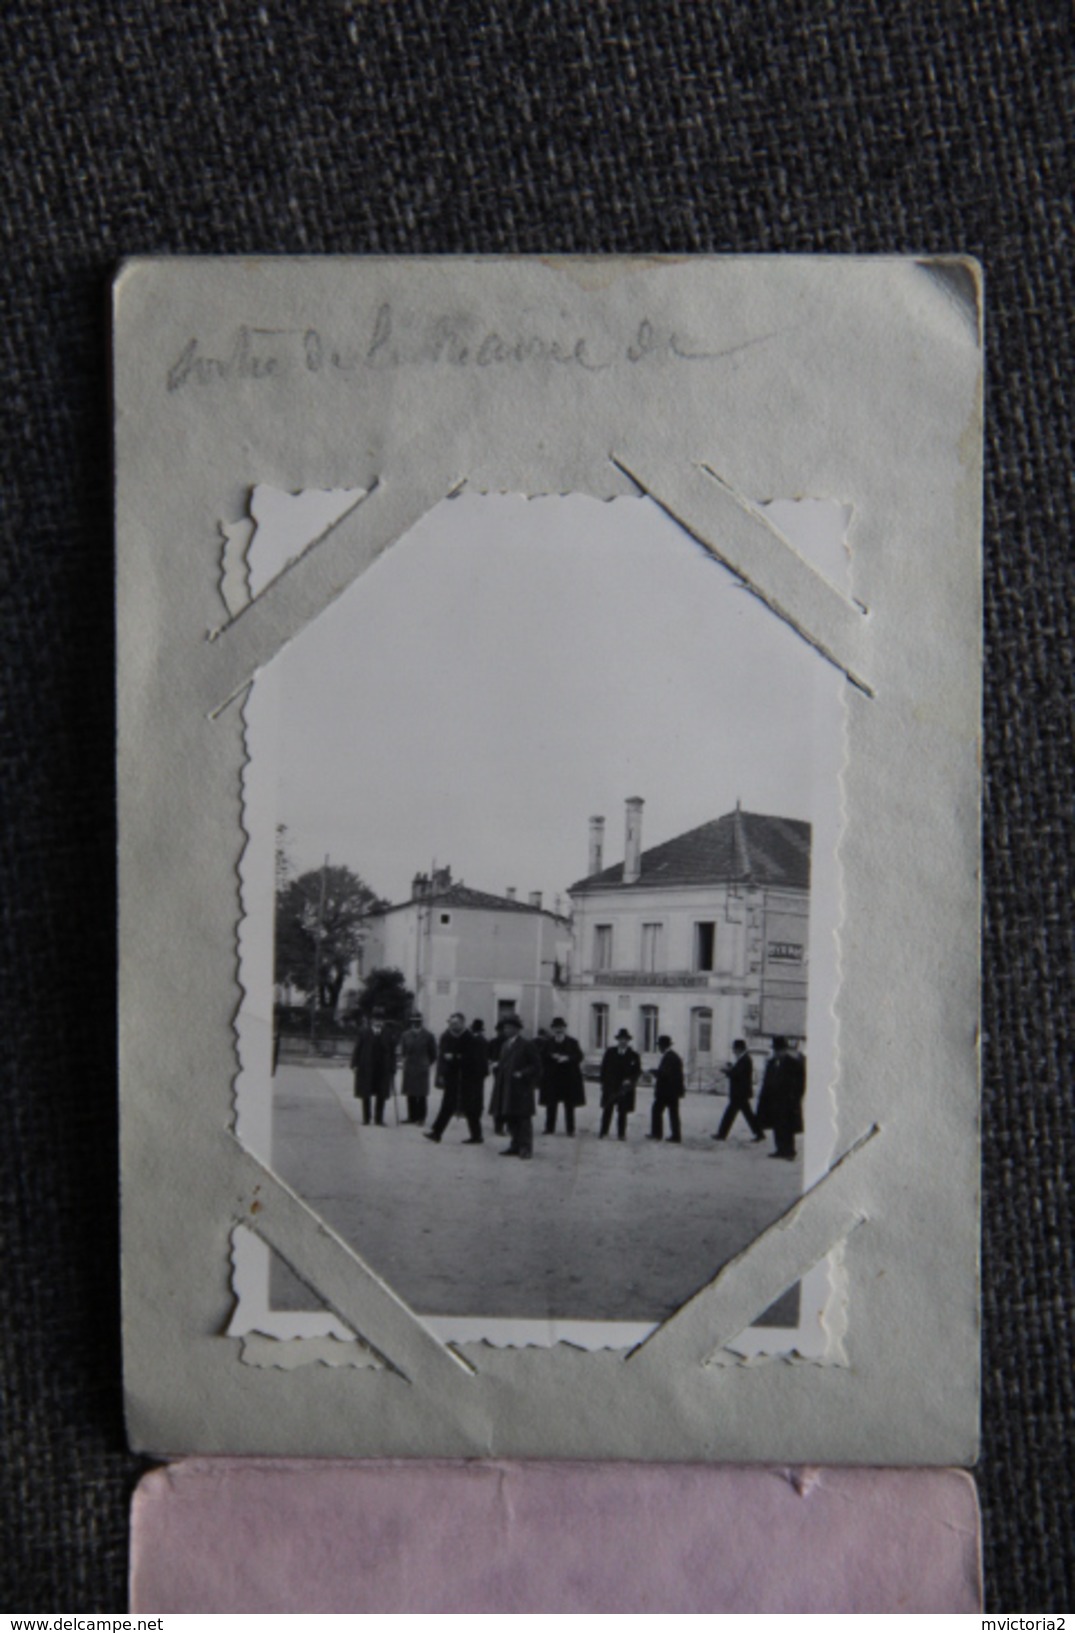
(742, 847)
(461, 895)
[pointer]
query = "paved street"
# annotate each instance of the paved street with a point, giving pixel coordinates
(593, 1230)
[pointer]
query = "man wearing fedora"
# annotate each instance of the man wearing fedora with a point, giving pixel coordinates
(621, 1068)
(780, 1104)
(561, 1077)
(373, 1061)
(418, 1053)
(496, 1044)
(668, 1090)
(461, 1075)
(518, 1073)
(740, 1075)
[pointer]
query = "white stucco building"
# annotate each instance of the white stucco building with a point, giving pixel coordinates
(704, 937)
(469, 950)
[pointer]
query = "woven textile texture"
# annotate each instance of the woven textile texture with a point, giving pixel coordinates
(221, 126)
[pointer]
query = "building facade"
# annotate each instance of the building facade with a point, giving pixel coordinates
(704, 937)
(468, 950)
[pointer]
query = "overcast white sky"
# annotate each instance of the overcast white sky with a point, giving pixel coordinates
(513, 666)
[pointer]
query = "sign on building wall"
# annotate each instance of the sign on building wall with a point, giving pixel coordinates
(783, 1014)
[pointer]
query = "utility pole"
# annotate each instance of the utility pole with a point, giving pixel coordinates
(427, 961)
(423, 947)
(318, 935)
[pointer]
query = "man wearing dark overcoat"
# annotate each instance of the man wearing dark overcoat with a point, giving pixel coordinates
(621, 1068)
(373, 1062)
(417, 1053)
(480, 1059)
(780, 1104)
(496, 1044)
(668, 1090)
(740, 1075)
(460, 1075)
(472, 1088)
(561, 1077)
(797, 1073)
(518, 1073)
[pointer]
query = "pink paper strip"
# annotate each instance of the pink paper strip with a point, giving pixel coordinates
(249, 1535)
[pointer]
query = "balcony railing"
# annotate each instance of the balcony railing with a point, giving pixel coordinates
(701, 979)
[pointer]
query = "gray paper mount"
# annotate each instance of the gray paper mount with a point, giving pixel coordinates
(709, 386)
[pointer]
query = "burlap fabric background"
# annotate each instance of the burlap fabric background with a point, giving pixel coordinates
(232, 126)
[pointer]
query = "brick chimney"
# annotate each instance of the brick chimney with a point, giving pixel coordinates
(597, 843)
(535, 898)
(510, 893)
(632, 843)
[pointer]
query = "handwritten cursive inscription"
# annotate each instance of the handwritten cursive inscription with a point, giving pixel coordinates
(247, 359)
(444, 340)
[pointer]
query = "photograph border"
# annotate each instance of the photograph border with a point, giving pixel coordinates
(817, 1334)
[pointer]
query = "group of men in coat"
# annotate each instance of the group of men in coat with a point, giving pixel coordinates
(525, 1074)
(528, 1073)
(780, 1103)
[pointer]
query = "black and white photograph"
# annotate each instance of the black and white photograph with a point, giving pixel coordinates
(540, 911)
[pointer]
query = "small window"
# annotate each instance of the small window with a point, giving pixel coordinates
(446, 918)
(651, 947)
(599, 1026)
(602, 947)
(704, 938)
(651, 1028)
